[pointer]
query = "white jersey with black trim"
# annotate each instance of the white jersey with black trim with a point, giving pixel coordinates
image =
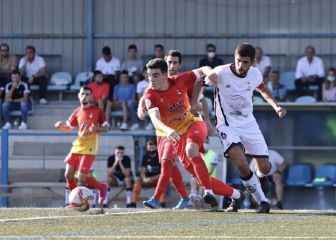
(233, 96)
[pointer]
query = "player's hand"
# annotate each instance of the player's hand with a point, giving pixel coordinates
(59, 124)
(281, 111)
(196, 108)
(173, 136)
(211, 79)
(141, 112)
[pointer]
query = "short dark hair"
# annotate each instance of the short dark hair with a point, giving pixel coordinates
(311, 47)
(120, 147)
(159, 46)
(175, 53)
(157, 63)
(4, 45)
(133, 46)
(95, 73)
(31, 47)
(106, 50)
(210, 45)
(275, 72)
(16, 72)
(124, 72)
(245, 50)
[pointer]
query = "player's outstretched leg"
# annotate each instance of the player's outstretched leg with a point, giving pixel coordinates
(180, 187)
(249, 179)
(70, 177)
(92, 182)
(166, 172)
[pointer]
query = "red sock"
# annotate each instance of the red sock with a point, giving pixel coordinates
(178, 182)
(201, 172)
(71, 183)
(166, 172)
(220, 188)
(91, 182)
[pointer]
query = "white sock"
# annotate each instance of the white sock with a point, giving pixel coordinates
(235, 194)
(253, 186)
(208, 191)
(66, 196)
(270, 172)
(128, 197)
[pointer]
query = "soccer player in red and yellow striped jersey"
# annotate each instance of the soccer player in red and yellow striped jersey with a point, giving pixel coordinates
(88, 119)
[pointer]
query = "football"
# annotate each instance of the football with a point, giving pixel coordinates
(81, 197)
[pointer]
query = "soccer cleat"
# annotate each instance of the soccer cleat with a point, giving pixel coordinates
(183, 203)
(264, 207)
(152, 203)
(233, 207)
(131, 205)
(279, 205)
(102, 195)
(210, 199)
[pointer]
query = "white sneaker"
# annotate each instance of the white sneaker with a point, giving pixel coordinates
(149, 127)
(23, 126)
(7, 125)
(135, 126)
(43, 101)
(123, 126)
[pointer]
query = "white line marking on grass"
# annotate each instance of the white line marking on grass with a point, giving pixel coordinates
(75, 216)
(161, 237)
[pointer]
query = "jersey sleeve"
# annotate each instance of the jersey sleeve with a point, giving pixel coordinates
(72, 121)
(258, 78)
(187, 79)
(150, 100)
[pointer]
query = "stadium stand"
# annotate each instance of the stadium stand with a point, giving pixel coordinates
(300, 175)
(325, 175)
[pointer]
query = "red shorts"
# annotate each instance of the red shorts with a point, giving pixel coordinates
(197, 133)
(80, 162)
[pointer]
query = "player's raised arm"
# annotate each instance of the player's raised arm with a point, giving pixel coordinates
(211, 77)
(267, 95)
(141, 111)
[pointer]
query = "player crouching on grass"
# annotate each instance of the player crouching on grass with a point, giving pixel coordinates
(89, 119)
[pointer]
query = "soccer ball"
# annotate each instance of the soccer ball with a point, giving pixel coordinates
(81, 198)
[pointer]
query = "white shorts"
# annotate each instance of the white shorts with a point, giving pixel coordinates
(249, 136)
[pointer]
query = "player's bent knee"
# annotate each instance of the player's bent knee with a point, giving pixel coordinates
(263, 165)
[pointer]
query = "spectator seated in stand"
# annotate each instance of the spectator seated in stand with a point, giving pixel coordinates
(263, 63)
(109, 65)
(309, 72)
(149, 172)
(278, 90)
(100, 89)
(211, 59)
(33, 68)
(132, 64)
(119, 172)
(16, 98)
(123, 98)
(329, 87)
(8, 63)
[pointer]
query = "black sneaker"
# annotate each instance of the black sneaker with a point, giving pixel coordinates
(234, 206)
(279, 205)
(264, 207)
(131, 205)
(210, 199)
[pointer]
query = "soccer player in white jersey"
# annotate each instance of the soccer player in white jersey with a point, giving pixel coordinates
(237, 128)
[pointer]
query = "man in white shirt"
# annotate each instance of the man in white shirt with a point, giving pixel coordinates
(132, 64)
(109, 66)
(236, 125)
(34, 70)
(263, 63)
(309, 71)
